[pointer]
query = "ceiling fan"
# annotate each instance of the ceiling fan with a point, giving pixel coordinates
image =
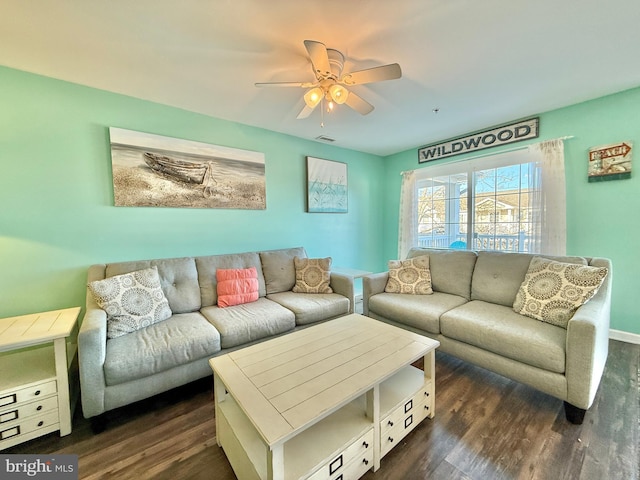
(331, 83)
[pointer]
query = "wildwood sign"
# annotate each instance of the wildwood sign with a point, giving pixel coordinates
(515, 132)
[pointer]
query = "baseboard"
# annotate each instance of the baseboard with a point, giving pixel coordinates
(624, 336)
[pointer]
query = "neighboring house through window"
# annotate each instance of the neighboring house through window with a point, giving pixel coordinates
(495, 202)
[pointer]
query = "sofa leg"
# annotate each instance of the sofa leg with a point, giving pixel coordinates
(574, 414)
(98, 423)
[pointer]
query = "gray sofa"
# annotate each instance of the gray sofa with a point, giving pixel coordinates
(470, 313)
(118, 371)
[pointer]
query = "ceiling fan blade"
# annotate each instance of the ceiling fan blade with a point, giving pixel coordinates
(305, 112)
(358, 104)
(370, 75)
(286, 84)
(319, 58)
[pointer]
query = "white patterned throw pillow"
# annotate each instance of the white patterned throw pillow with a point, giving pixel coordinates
(132, 301)
(411, 276)
(312, 275)
(552, 291)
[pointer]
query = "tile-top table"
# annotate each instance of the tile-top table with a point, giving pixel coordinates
(328, 401)
(36, 354)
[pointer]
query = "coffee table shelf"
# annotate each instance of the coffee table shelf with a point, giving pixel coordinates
(245, 446)
(304, 453)
(326, 440)
(298, 407)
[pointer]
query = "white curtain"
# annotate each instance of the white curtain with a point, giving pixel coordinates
(549, 203)
(407, 224)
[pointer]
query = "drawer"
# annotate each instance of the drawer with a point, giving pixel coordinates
(408, 406)
(391, 436)
(22, 411)
(392, 420)
(28, 425)
(27, 394)
(337, 465)
(358, 467)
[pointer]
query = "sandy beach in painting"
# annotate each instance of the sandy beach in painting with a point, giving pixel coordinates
(236, 184)
(138, 187)
(156, 171)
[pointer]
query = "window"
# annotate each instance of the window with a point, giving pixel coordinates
(488, 203)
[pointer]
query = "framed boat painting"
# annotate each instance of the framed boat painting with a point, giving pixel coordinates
(156, 171)
(327, 186)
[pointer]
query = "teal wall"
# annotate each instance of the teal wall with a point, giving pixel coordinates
(602, 218)
(56, 194)
(57, 215)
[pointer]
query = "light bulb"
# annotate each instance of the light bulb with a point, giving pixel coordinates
(338, 93)
(313, 97)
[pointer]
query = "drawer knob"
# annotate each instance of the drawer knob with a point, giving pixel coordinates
(426, 408)
(39, 407)
(390, 423)
(365, 461)
(365, 444)
(40, 423)
(391, 439)
(37, 392)
(426, 394)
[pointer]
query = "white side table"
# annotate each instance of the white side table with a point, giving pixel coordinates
(37, 354)
(357, 285)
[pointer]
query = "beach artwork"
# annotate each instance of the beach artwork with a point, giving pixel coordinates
(156, 171)
(327, 189)
(610, 162)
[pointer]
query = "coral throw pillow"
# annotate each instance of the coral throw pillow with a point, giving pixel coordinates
(237, 286)
(410, 276)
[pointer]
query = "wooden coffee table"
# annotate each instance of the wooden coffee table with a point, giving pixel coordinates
(326, 402)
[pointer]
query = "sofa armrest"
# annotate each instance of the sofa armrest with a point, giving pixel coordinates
(343, 285)
(587, 343)
(372, 285)
(92, 350)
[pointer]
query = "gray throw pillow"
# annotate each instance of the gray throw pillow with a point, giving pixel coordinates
(132, 301)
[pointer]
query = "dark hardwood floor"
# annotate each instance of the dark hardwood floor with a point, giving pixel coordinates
(486, 427)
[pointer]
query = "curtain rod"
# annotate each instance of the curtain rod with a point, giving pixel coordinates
(509, 150)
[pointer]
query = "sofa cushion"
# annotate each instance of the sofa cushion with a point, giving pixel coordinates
(250, 321)
(132, 301)
(500, 330)
(409, 276)
(312, 275)
(418, 311)
(178, 277)
(450, 270)
(497, 276)
(181, 339)
(207, 267)
(552, 291)
(236, 286)
(312, 307)
(278, 268)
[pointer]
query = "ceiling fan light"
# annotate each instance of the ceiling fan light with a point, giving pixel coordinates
(338, 93)
(313, 97)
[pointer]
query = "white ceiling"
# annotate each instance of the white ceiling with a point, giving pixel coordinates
(481, 63)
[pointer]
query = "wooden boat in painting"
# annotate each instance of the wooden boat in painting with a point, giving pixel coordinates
(177, 169)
